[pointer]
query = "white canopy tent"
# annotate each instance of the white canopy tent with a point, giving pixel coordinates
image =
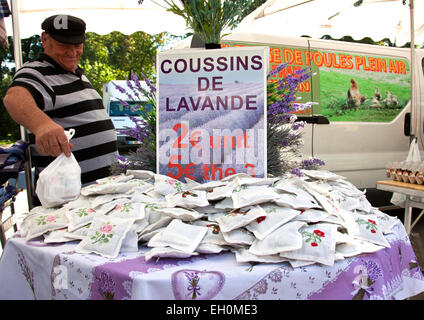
(101, 16)
(377, 19)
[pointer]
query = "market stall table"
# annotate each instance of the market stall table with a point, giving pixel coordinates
(35, 270)
(410, 190)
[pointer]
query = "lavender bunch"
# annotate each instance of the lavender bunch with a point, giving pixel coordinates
(284, 137)
(144, 130)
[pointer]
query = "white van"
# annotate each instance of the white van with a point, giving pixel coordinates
(119, 112)
(363, 118)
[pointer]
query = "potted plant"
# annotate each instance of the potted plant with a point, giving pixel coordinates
(209, 18)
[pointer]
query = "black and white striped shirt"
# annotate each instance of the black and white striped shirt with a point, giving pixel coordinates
(70, 100)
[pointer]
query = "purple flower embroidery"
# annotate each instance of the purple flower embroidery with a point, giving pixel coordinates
(26, 271)
(193, 287)
(106, 286)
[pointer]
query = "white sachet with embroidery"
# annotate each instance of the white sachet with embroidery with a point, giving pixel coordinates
(385, 221)
(327, 202)
(187, 199)
(108, 188)
(244, 196)
(364, 227)
(238, 218)
(312, 215)
(219, 193)
(60, 181)
(300, 200)
(180, 236)
(105, 236)
(107, 198)
(214, 234)
(285, 238)
(79, 233)
(275, 217)
(181, 213)
(166, 185)
(319, 244)
(79, 217)
(347, 246)
(140, 186)
(127, 209)
(41, 223)
(239, 237)
(81, 201)
(25, 224)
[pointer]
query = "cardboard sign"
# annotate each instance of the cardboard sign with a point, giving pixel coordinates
(211, 114)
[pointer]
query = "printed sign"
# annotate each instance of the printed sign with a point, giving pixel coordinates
(211, 115)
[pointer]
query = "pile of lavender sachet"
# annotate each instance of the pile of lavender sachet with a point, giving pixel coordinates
(317, 218)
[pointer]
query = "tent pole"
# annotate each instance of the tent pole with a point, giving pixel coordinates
(414, 108)
(17, 51)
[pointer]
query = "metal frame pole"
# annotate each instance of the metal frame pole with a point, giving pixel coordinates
(17, 51)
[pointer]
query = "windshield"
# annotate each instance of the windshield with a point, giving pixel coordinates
(117, 109)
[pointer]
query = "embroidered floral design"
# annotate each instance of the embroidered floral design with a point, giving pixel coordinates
(239, 188)
(373, 270)
(104, 234)
(83, 212)
(43, 220)
(106, 286)
(271, 210)
(261, 287)
(260, 219)
(188, 193)
(126, 207)
(235, 212)
(177, 185)
(215, 228)
(139, 182)
(369, 225)
(193, 288)
(276, 275)
(26, 271)
(150, 205)
(314, 237)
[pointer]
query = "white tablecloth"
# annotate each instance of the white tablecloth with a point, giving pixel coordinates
(34, 270)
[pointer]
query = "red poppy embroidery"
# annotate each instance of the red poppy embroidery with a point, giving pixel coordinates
(260, 219)
(319, 233)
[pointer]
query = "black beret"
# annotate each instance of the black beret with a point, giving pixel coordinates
(65, 28)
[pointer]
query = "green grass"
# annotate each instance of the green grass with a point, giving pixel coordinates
(333, 93)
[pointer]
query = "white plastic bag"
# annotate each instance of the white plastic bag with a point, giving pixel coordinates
(398, 199)
(60, 181)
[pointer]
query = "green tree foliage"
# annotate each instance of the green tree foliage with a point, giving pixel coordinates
(115, 55)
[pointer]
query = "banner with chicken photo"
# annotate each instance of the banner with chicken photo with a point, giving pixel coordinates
(346, 86)
(356, 87)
